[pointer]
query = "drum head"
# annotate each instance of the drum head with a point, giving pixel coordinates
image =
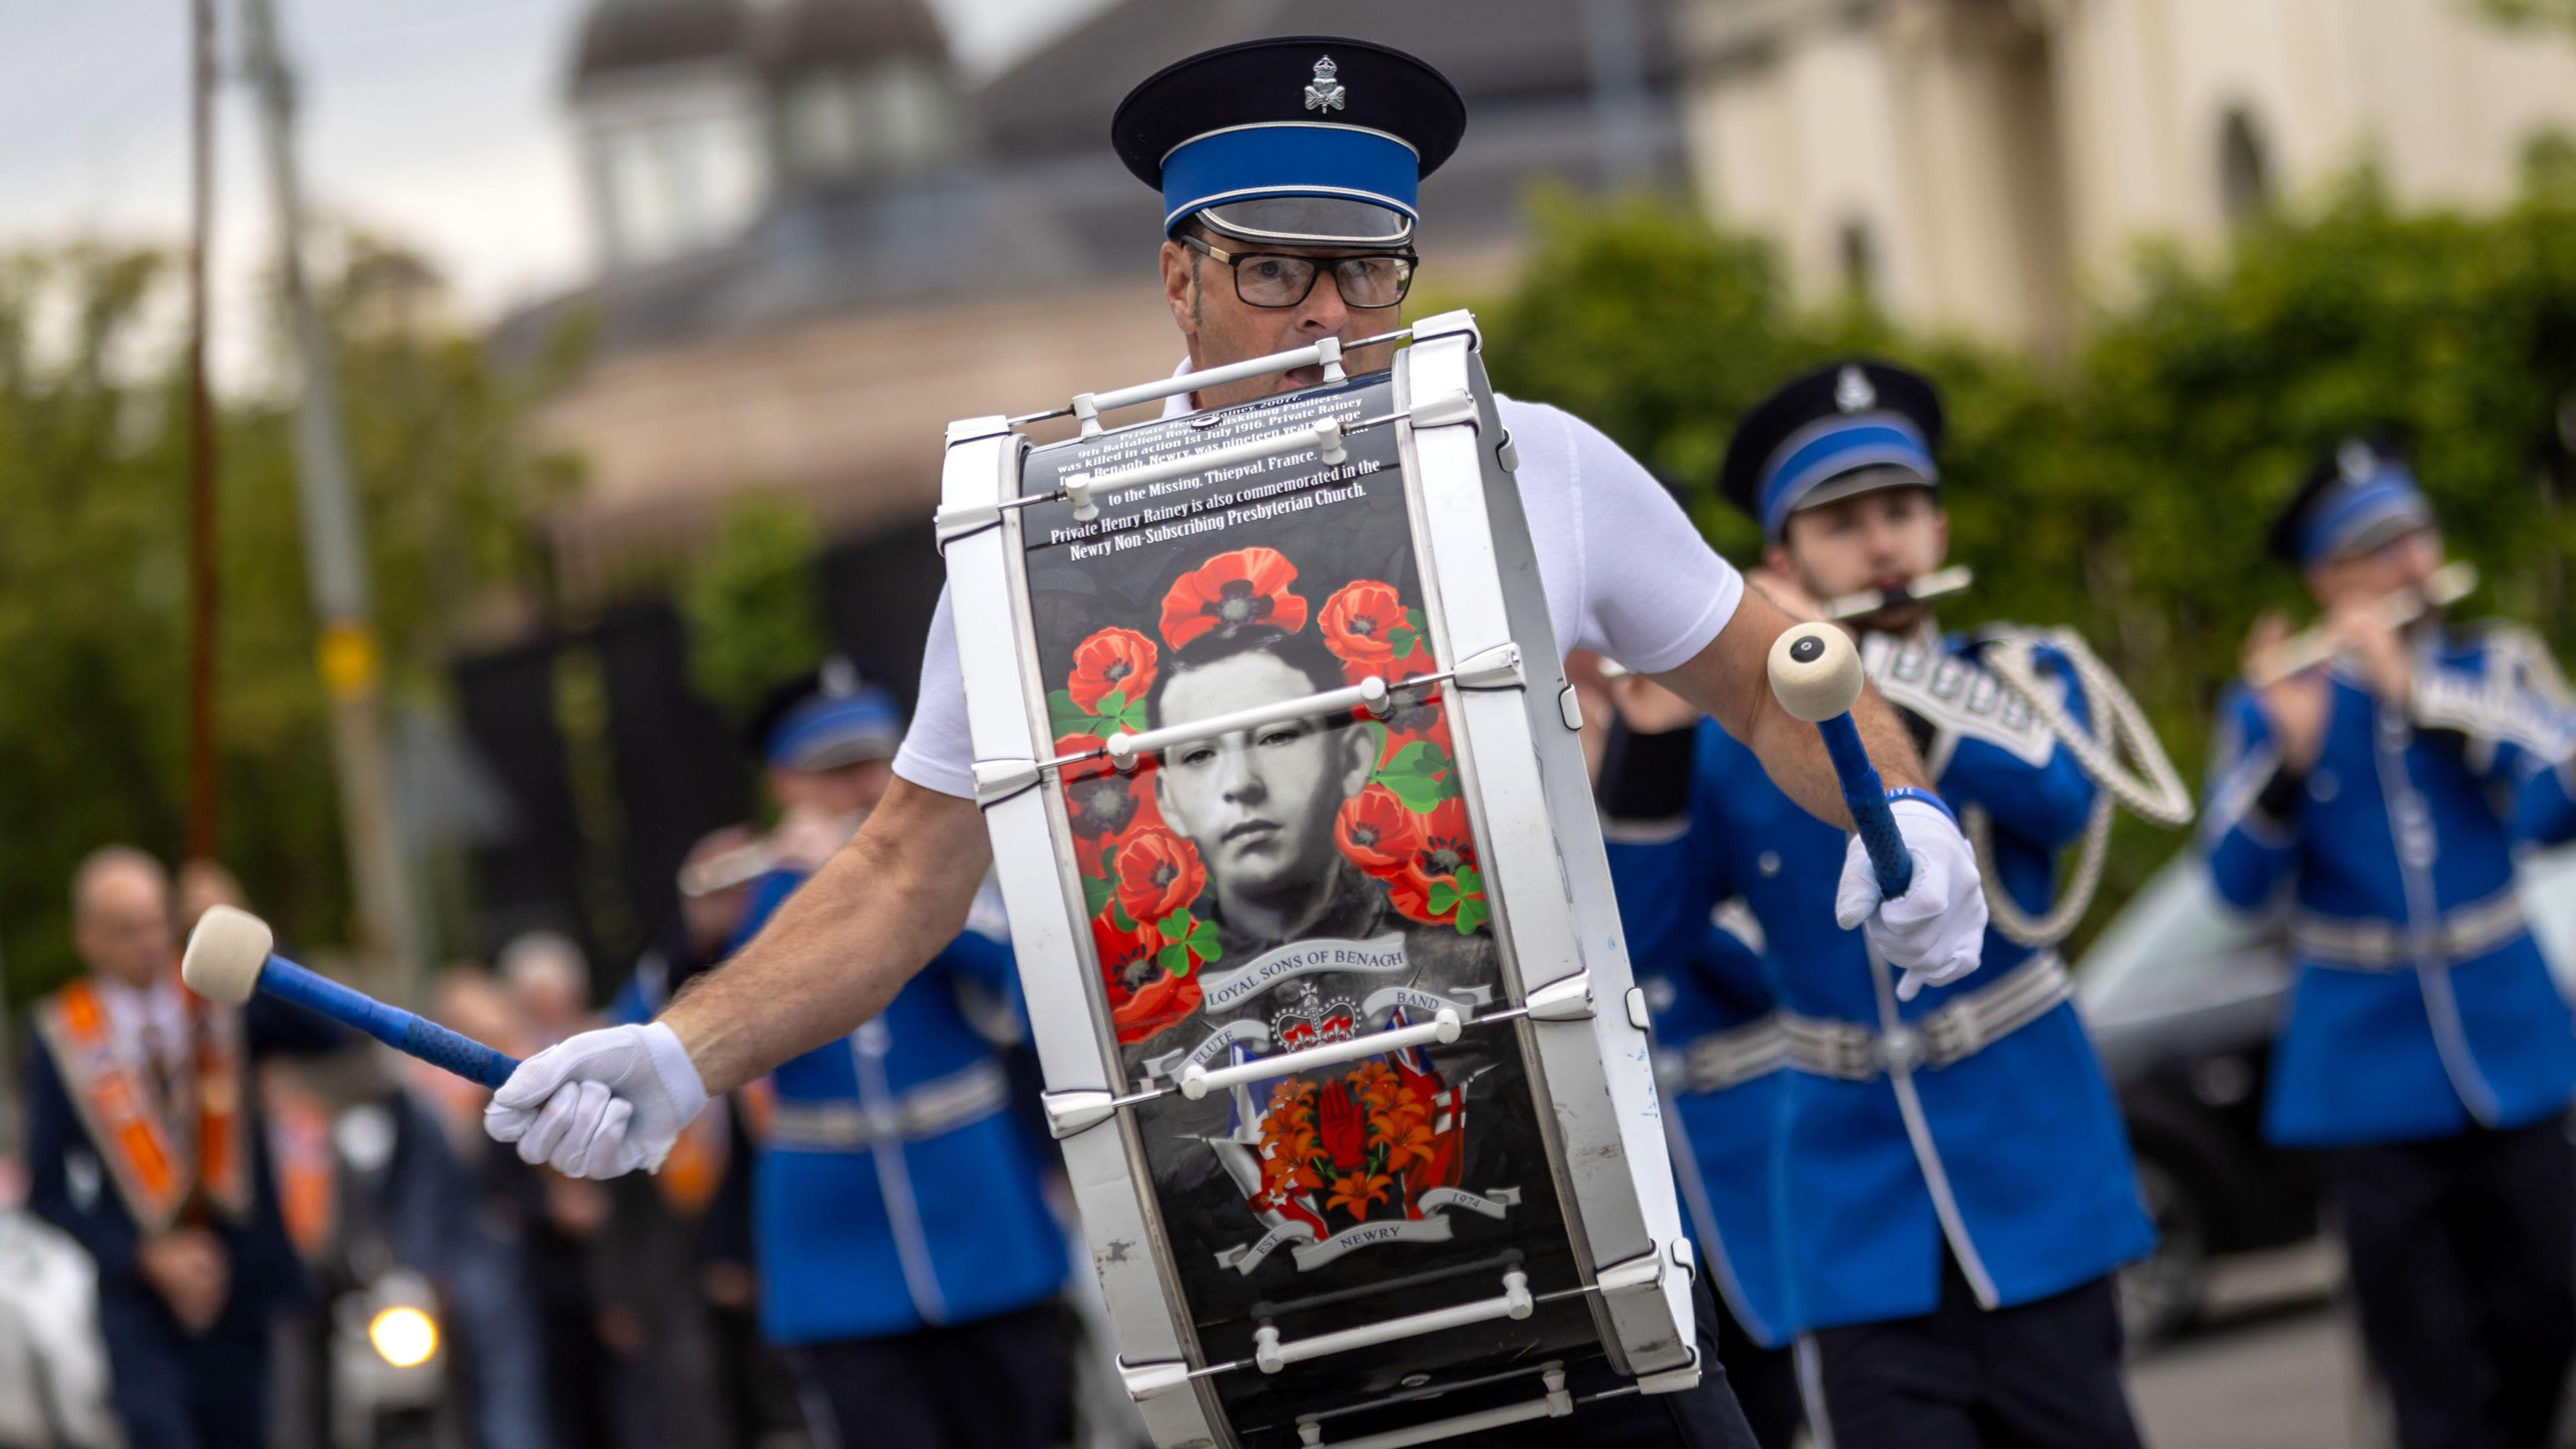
(1295, 883)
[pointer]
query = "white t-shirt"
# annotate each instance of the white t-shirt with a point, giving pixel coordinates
(1625, 574)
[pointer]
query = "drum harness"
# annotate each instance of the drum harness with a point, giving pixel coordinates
(2119, 754)
(2144, 781)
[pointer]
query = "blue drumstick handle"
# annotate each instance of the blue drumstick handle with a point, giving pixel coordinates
(404, 1031)
(1866, 798)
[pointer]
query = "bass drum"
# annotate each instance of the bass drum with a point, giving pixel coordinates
(1287, 805)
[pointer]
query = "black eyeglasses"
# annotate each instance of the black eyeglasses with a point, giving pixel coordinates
(1272, 279)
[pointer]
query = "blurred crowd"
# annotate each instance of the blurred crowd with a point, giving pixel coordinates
(559, 1312)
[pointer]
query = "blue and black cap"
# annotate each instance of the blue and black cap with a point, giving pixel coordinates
(2360, 495)
(1302, 140)
(1847, 427)
(825, 719)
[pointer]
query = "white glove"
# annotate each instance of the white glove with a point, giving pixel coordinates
(1936, 930)
(601, 1104)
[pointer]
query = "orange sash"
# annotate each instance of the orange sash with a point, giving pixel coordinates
(696, 1167)
(158, 1173)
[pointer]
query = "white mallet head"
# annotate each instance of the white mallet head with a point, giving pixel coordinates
(225, 954)
(1815, 671)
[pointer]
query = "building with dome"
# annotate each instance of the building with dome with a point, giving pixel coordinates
(816, 241)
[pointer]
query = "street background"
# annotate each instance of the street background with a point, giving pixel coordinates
(644, 317)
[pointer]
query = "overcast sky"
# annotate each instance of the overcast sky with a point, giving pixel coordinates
(438, 121)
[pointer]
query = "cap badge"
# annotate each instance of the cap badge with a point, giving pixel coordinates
(1324, 93)
(2355, 460)
(1852, 392)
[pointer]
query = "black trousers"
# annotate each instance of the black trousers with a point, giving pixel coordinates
(2042, 1375)
(1765, 1382)
(996, 1383)
(1706, 1417)
(2463, 1254)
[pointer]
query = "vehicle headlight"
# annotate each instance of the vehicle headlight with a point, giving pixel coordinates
(403, 1336)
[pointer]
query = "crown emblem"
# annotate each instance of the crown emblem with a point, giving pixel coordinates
(1325, 93)
(1852, 392)
(2355, 460)
(1315, 1022)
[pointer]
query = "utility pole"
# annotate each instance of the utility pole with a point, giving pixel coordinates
(335, 562)
(203, 798)
(1614, 33)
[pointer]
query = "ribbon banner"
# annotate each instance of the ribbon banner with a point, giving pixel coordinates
(1429, 1228)
(1170, 1064)
(1378, 955)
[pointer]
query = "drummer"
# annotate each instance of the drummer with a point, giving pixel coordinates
(1288, 172)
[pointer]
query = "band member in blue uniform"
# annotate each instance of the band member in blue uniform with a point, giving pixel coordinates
(1289, 171)
(2382, 791)
(1952, 1183)
(146, 1144)
(908, 1261)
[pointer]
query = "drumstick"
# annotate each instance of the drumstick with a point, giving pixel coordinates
(229, 958)
(1816, 673)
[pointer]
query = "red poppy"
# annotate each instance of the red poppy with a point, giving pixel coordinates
(1143, 997)
(1377, 832)
(1113, 659)
(1104, 804)
(1158, 873)
(1441, 879)
(1231, 590)
(1164, 1002)
(1365, 623)
(1409, 714)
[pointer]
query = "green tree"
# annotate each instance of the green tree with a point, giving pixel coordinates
(92, 572)
(753, 601)
(2130, 496)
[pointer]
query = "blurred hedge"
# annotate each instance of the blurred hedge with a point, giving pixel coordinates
(2128, 494)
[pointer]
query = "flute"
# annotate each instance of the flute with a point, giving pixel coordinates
(1938, 584)
(2308, 648)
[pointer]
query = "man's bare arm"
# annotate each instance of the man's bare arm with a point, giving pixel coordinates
(1731, 679)
(840, 948)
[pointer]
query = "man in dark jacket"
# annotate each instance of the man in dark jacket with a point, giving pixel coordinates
(145, 1144)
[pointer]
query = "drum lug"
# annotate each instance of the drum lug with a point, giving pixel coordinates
(1672, 1381)
(1636, 1275)
(1495, 668)
(1637, 1014)
(958, 520)
(1566, 999)
(1151, 1380)
(1459, 322)
(1443, 412)
(999, 780)
(1685, 1257)
(1076, 1111)
(1507, 455)
(1569, 708)
(967, 430)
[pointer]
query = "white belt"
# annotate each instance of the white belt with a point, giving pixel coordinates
(933, 1108)
(1724, 1059)
(1963, 1027)
(2371, 945)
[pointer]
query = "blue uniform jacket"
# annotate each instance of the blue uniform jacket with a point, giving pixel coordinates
(1716, 1057)
(2014, 1156)
(2421, 1005)
(894, 1190)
